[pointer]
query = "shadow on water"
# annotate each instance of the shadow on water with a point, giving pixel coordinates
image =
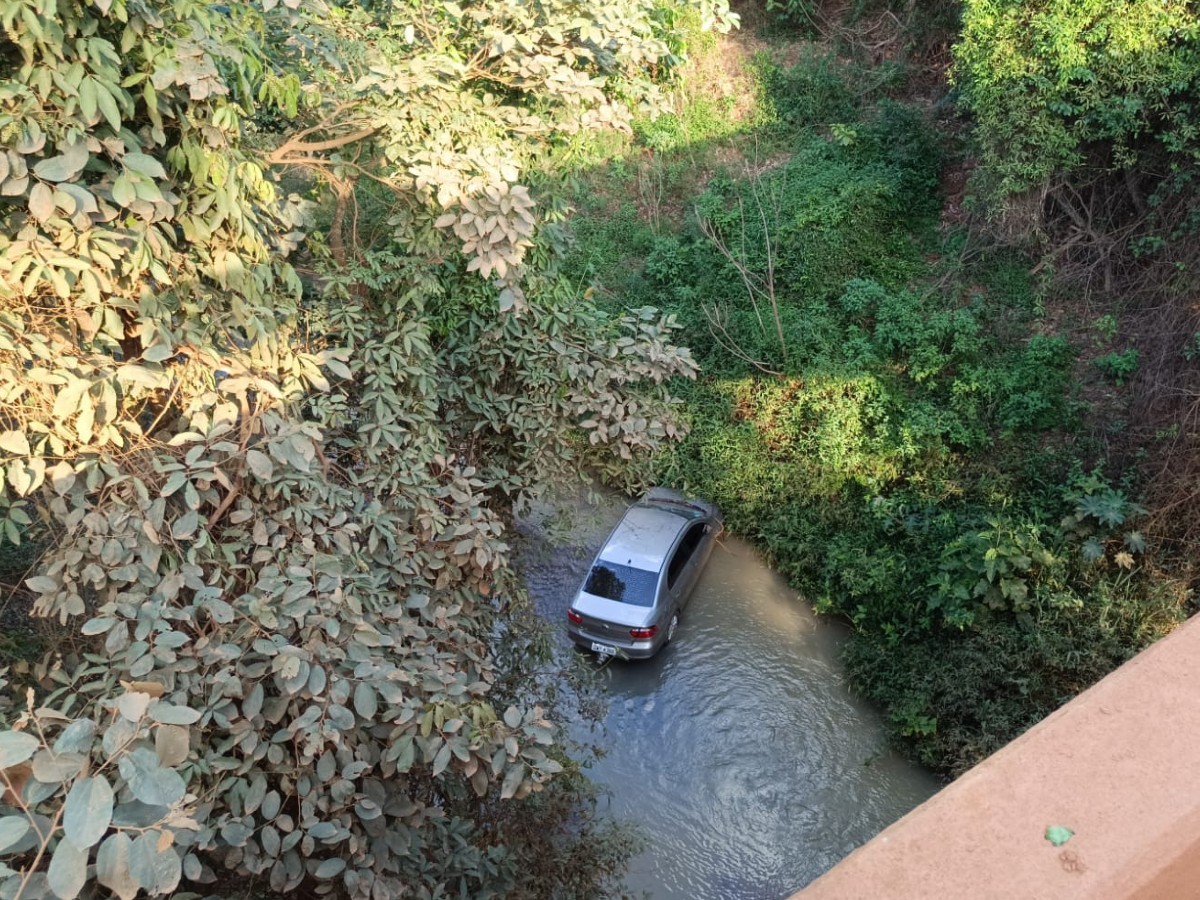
(738, 750)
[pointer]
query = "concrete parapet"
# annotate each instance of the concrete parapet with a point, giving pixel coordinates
(1119, 766)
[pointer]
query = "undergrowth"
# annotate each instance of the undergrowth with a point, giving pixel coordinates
(890, 417)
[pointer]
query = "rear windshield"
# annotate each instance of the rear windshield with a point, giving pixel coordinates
(624, 584)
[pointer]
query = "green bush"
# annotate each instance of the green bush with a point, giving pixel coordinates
(1052, 82)
(889, 414)
(955, 696)
(1119, 366)
(818, 89)
(892, 470)
(277, 500)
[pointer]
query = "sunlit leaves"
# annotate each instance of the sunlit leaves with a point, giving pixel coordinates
(1048, 80)
(287, 526)
(64, 167)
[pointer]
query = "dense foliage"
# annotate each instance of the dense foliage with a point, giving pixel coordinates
(889, 414)
(1058, 85)
(270, 468)
(292, 324)
(1085, 121)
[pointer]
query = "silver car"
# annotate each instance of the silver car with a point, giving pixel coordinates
(633, 595)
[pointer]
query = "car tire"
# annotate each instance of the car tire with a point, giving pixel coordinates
(671, 627)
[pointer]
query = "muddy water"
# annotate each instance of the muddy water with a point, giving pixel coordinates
(738, 750)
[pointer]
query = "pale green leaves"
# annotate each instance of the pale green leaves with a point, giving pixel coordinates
(133, 705)
(174, 482)
(55, 768)
(441, 760)
(260, 464)
(123, 191)
(329, 868)
(185, 526)
(64, 167)
(112, 866)
(76, 737)
(365, 703)
(173, 715)
(12, 830)
(148, 863)
(16, 747)
(88, 810)
(512, 780)
(142, 164)
(14, 442)
(26, 475)
(148, 780)
(68, 869)
(261, 554)
(41, 202)
(154, 865)
(172, 744)
(495, 226)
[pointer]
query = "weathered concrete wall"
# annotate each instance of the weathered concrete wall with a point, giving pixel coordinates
(1119, 765)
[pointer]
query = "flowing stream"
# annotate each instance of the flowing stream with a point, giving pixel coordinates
(738, 750)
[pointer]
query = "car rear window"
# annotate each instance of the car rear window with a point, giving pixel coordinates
(624, 584)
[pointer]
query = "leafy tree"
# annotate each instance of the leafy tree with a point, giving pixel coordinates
(280, 503)
(1051, 82)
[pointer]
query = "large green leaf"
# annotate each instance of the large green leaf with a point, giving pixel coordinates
(512, 780)
(365, 703)
(144, 164)
(156, 868)
(88, 810)
(65, 166)
(54, 768)
(112, 866)
(76, 737)
(330, 868)
(172, 743)
(16, 747)
(68, 870)
(173, 715)
(41, 203)
(14, 442)
(149, 781)
(12, 829)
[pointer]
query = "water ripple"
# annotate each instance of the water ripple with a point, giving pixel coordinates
(738, 750)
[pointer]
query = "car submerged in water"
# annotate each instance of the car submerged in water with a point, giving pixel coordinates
(635, 591)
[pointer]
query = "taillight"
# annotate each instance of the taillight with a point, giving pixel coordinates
(643, 633)
(574, 617)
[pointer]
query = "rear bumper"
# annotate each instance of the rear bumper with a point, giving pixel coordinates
(625, 649)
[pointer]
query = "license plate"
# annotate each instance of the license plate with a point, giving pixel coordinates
(603, 649)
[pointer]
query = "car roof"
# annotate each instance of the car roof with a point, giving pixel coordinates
(646, 533)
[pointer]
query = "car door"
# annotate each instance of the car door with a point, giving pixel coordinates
(707, 541)
(683, 568)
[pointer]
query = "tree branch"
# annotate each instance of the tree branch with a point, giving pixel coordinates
(284, 154)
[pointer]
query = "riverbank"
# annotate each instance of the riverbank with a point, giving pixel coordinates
(890, 403)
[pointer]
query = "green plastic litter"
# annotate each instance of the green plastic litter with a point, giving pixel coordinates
(1058, 834)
